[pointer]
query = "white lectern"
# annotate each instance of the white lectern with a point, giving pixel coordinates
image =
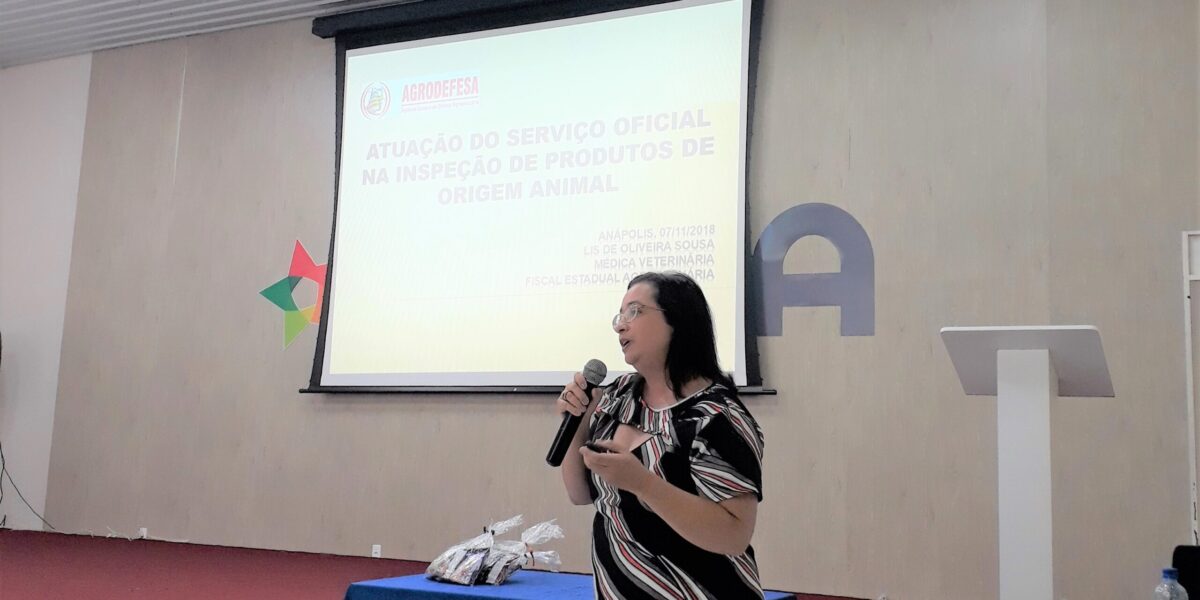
(1025, 368)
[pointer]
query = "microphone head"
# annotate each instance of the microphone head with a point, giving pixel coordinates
(595, 371)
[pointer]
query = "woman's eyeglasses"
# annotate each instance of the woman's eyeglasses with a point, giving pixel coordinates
(631, 312)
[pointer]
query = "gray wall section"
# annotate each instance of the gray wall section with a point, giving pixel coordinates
(1024, 162)
(1119, 140)
(42, 108)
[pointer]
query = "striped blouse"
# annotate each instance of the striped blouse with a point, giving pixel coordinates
(708, 445)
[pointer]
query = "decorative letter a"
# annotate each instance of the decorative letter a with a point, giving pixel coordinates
(852, 289)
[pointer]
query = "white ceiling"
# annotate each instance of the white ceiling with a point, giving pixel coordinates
(34, 30)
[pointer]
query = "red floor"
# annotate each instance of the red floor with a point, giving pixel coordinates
(37, 565)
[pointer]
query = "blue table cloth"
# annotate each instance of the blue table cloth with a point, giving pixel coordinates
(523, 585)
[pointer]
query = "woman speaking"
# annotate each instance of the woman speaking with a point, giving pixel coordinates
(671, 458)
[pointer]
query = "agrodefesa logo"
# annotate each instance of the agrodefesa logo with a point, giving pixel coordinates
(376, 100)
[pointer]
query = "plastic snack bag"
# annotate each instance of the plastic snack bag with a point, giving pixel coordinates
(508, 556)
(463, 562)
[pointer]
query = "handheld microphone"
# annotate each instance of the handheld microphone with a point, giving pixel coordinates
(594, 372)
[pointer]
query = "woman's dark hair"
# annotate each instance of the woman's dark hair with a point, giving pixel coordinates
(693, 349)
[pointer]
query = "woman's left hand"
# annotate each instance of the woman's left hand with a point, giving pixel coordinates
(618, 467)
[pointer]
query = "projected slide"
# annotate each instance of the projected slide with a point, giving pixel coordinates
(498, 190)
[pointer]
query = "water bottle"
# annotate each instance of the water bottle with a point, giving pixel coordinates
(1170, 589)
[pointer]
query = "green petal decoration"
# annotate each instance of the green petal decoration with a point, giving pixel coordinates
(280, 293)
(294, 321)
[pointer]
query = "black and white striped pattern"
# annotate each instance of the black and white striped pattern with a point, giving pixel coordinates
(709, 445)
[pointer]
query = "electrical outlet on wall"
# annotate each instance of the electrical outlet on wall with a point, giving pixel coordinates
(376, 550)
(143, 533)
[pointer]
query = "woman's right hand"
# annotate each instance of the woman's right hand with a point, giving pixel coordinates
(572, 399)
